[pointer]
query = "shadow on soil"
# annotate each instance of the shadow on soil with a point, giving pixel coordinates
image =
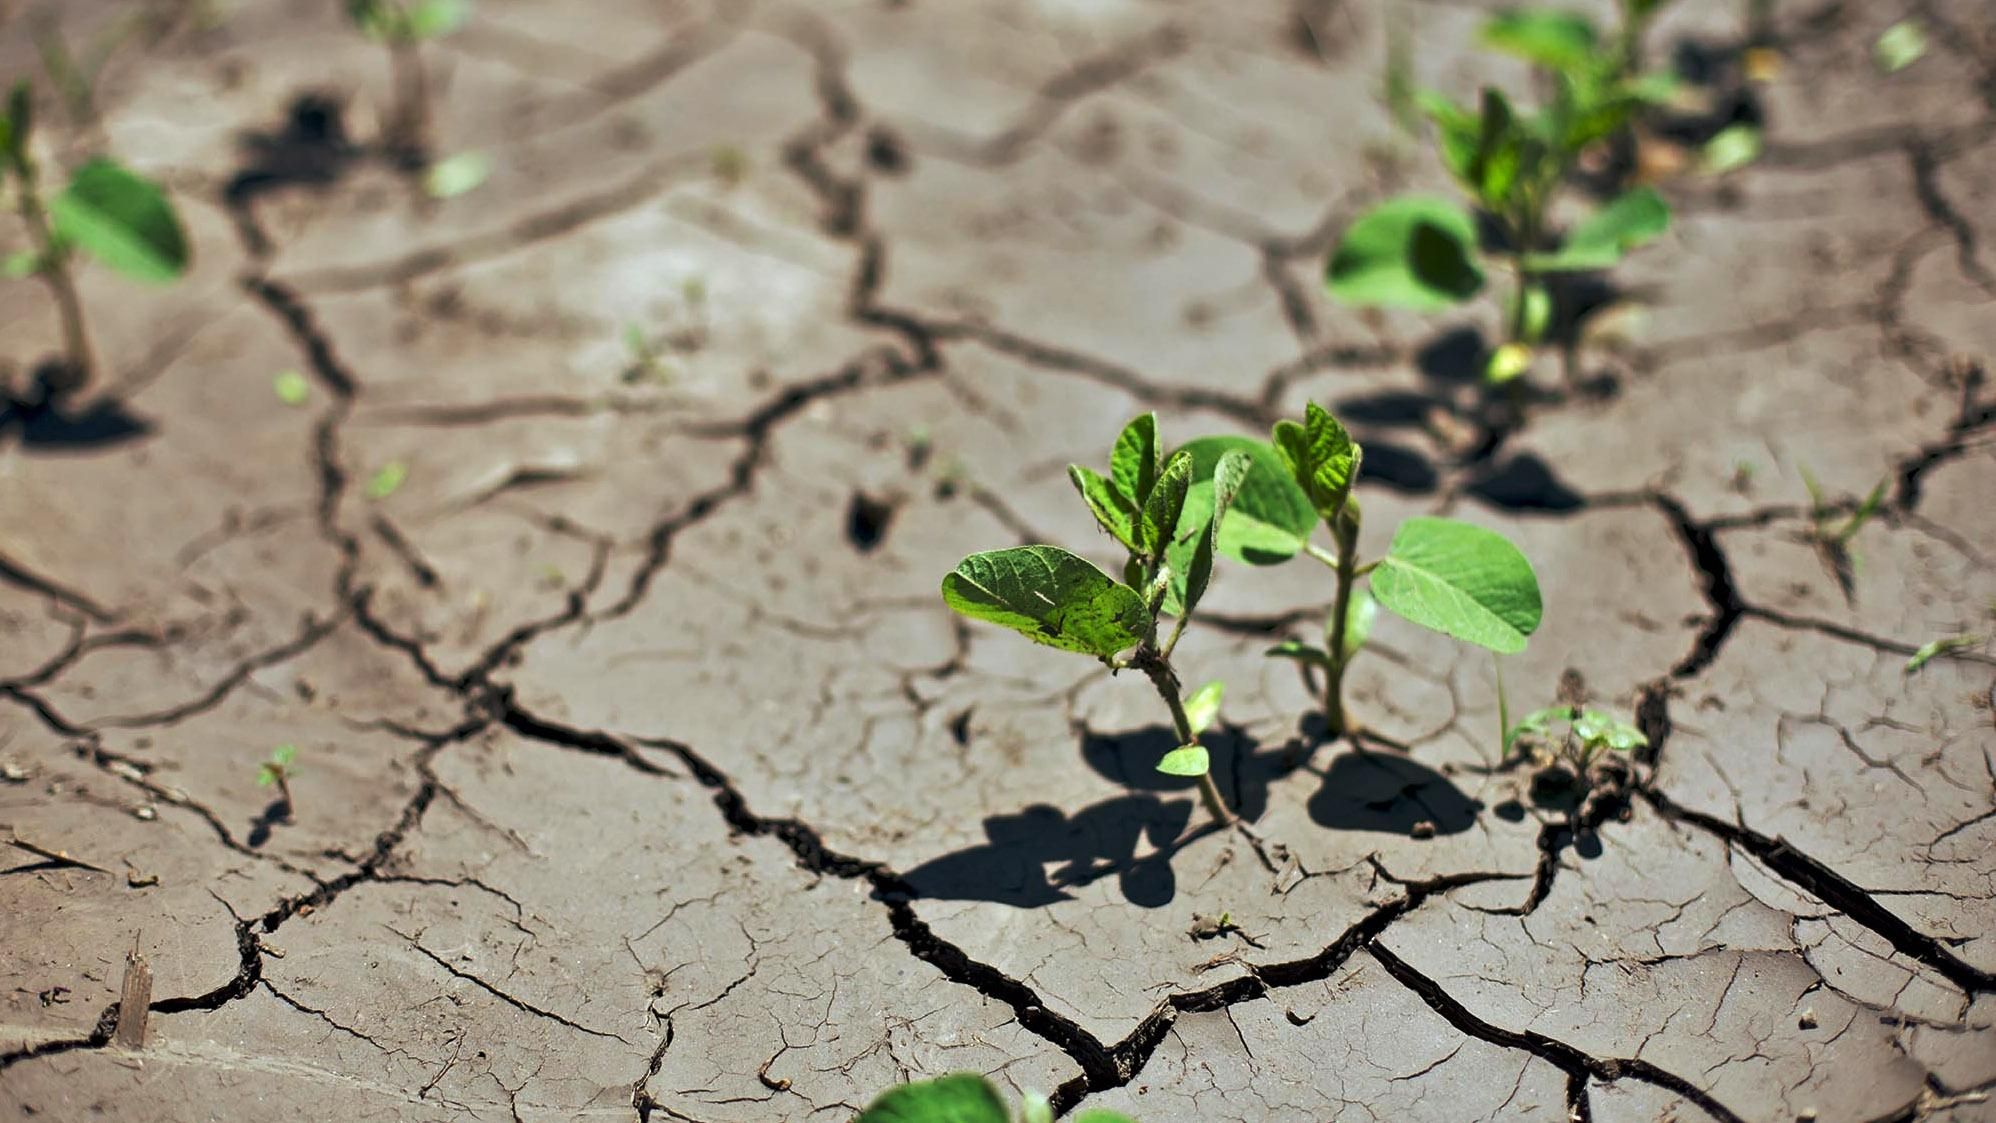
(45, 421)
(1036, 857)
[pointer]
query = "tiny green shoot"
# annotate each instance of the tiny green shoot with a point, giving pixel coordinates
(1831, 539)
(456, 175)
(387, 479)
(1572, 735)
(291, 388)
(1731, 149)
(1932, 648)
(107, 212)
(1063, 601)
(964, 1097)
(279, 770)
(1900, 46)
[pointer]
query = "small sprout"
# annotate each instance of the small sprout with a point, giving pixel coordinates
(1833, 541)
(402, 26)
(455, 175)
(387, 479)
(647, 358)
(1573, 735)
(1932, 648)
(1733, 148)
(291, 387)
(278, 770)
(964, 1097)
(1509, 361)
(1900, 46)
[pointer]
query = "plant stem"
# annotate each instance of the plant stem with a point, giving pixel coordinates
(408, 126)
(1158, 669)
(54, 272)
(1345, 529)
(1321, 554)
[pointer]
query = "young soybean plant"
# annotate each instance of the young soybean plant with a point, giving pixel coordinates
(1449, 576)
(106, 212)
(402, 26)
(964, 1097)
(1425, 253)
(1055, 598)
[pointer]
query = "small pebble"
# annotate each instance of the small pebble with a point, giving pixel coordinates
(145, 813)
(13, 773)
(1424, 829)
(1806, 1115)
(1808, 1019)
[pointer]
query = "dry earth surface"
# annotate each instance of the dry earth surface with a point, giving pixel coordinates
(641, 772)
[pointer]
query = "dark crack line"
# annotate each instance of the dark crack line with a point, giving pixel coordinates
(517, 1003)
(21, 577)
(1578, 1065)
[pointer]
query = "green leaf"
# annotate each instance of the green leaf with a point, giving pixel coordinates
(1186, 760)
(1500, 152)
(1608, 234)
(1359, 617)
(1112, 509)
(1413, 252)
(292, 388)
(1270, 519)
(1901, 46)
(283, 755)
(1165, 505)
(1731, 149)
(1303, 652)
(1458, 130)
(1135, 462)
(963, 1097)
(377, 19)
(1051, 597)
(1507, 362)
(1204, 705)
(457, 174)
(1932, 648)
(431, 18)
(123, 220)
(1596, 728)
(1320, 456)
(1537, 311)
(1535, 724)
(1229, 473)
(1098, 1115)
(1461, 580)
(1553, 39)
(387, 479)
(1035, 1108)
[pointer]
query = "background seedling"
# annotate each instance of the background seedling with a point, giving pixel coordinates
(1900, 46)
(107, 212)
(1933, 648)
(279, 771)
(291, 387)
(1055, 598)
(402, 26)
(454, 176)
(387, 479)
(1582, 756)
(964, 1097)
(1427, 254)
(1832, 539)
(1452, 577)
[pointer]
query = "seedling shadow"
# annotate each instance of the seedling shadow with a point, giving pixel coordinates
(46, 421)
(1390, 794)
(1099, 841)
(279, 811)
(310, 149)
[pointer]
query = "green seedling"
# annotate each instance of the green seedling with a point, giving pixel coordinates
(1577, 749)
(648, 362)
(1058, 599)
(1900, 46)
(1427, 254)
(1934, 648)
(402, 26)
(387, 479)
(1832, 539)
(1448, 576)
(964, 1097)
(455, 175)
(107, 212)
(291, 388)
(278, 770)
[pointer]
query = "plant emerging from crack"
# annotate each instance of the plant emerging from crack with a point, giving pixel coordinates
(279, 770)
(402, 26)
(1058, 599)
(1449, 576)
(965, 1097)
(106, 212)
(1427, 254)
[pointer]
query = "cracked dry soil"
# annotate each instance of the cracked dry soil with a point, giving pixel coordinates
(641, 772)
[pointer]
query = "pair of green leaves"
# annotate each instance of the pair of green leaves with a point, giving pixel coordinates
(963, 1097)
(1449, 576)
(1592, 729)
(1420, 252)
(1055, 598)
(115, 215)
